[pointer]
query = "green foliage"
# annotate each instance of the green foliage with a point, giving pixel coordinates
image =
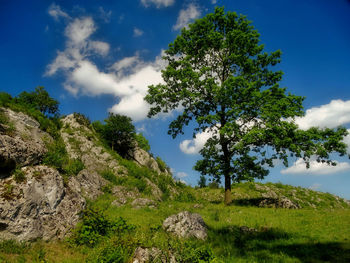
(5, 99)
(192, 253)
(82, 119)
(109, 254)
(142, 142)
(7, 191)
(214, 185)
(162, 165)
(56, 155)
(19, 176)
(73, 167)
(95, 225)
(12, 247)
(109, 175)
(224, 81)
(119, 133)
(40, 100)
(202, 182)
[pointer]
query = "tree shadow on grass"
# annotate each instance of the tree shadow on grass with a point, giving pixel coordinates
(274, 245)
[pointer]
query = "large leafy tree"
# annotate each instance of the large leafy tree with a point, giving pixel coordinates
(220, 76)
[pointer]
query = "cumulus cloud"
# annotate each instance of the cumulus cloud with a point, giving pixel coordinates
(158, 3)
(137, 32)
(56, 12)
(195, 145)
(187, 15)
(181, 174)
(330, 115)
(316, 168)
(127, 79)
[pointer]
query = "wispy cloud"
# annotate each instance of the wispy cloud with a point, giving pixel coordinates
(105, 15)
(315, 186)
(56, 12)
(158, 3)
(137, 32)
(186, 16)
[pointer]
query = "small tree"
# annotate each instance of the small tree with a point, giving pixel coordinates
(40, 100)
(219, 75)
(120, 134)
(202, 182)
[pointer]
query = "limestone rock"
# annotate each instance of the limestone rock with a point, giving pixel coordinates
(122, 195)
(24, 147)
(39, 207)
(144, 158)
(143, 255)
(278, 203)
(186, 224)
(144, 202)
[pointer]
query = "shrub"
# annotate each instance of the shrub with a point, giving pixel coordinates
(19, 176)
(109, 254)
(142, 142)
(57, 155)
(162, 165)
(73, 167)
(82, 119)
(12, 247)
(95, 225)
(109, 175)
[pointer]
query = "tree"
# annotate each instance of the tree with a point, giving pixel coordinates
(202, 182)
(219, 75)
(142, 142)
(119, 132)
(40, 100)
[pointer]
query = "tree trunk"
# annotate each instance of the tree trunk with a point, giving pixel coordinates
(228, 197)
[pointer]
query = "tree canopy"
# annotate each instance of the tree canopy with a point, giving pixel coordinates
(219, 74)
(40, 100)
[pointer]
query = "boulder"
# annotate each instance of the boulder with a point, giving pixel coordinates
(144, 202)
(143, 255)
(38, 207)
(186, 224)
(278, 203)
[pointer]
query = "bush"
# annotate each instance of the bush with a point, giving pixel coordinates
(95, 225)
(162, 165)
(57, 155)
(109, 254)
(142, 142)
(73, 167)
(19, 176)
(82, 119)
(109, 175)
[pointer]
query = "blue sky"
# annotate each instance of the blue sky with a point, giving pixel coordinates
(99, 56)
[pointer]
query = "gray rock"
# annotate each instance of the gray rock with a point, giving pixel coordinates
(39, 207)
(186, 224)
(144, 202)
(143, 255)
(24, 147)
(122, 195)
(279, 203)
(247, 230)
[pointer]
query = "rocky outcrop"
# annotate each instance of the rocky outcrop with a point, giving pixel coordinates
(123, 195)
(278, 203)
(38, 207)
(25, 146)
(144, 255)
(144, 202)
(186, 224)
(144, 158)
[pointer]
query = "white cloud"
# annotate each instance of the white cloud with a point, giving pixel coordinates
(56, 12)
(331, 115)
(137, 32)
(187, 15)
(214, 2)
(127, 79)
(316, 168)
(181, 174)
(195, 145)
(158, 3)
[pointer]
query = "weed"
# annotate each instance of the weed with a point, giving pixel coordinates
(19, 176)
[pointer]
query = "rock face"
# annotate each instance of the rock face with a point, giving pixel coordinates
(24, 147)
(142, 157)
(39, 207)
(278, 203)
(186, 224)
(144, 255)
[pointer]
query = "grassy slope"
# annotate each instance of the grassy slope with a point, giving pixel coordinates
(319, 232)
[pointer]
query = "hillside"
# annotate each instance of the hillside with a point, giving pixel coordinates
(65, 192)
